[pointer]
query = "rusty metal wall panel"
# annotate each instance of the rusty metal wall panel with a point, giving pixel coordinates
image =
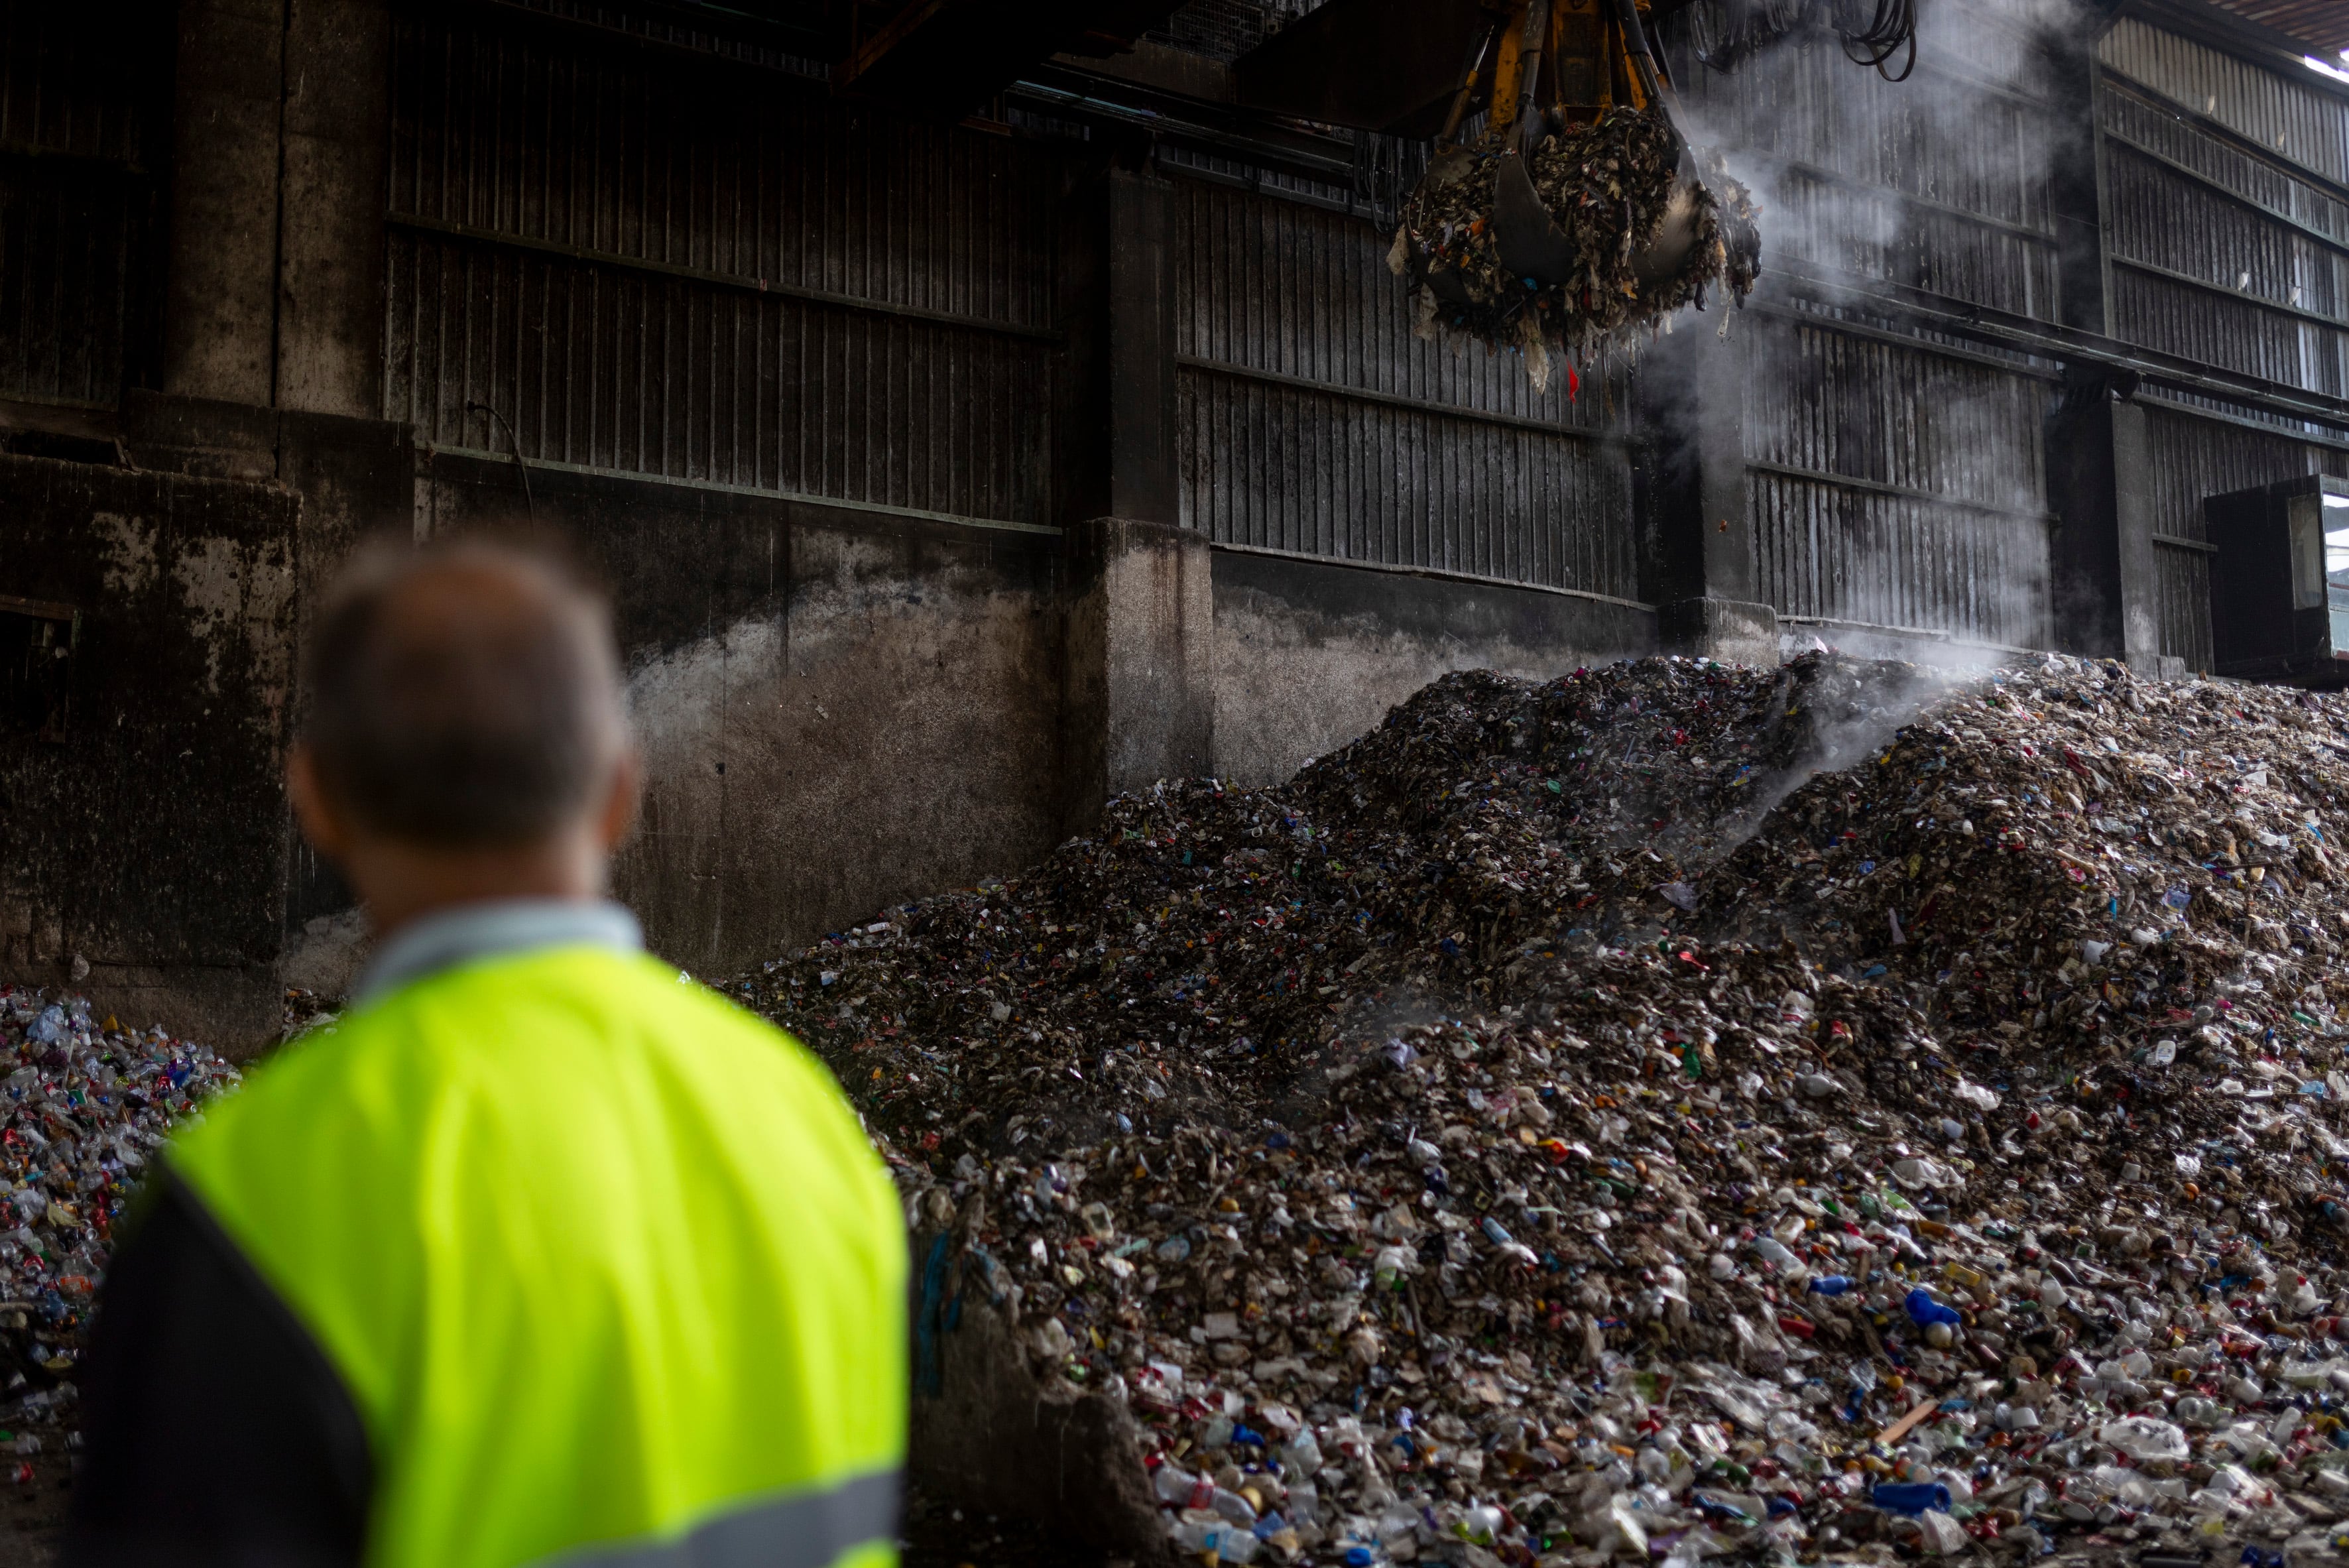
(1893, 482)
(83, 100)
(1873, 411)
(2303, 123)
(1896, 486)
(1311, 419)
(2220, 254)
(2164, 218)
(1285, 467)
(690, 276)
(1273, 286)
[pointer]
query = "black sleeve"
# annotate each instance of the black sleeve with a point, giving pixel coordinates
(215, 1431)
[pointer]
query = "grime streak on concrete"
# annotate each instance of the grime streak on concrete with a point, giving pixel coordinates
(902, 741)
(1309, 654)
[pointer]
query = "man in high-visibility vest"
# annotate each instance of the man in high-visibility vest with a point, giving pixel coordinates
(540, 1254)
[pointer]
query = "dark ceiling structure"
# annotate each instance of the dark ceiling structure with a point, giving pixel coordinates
(2321, 25)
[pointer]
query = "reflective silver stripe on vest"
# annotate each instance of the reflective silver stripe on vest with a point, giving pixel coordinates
(809, 1530)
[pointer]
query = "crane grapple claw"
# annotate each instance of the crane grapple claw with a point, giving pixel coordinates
(1527, 243)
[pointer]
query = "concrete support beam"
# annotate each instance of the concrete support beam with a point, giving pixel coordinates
(283, 108)
(338, 143)
(1137, 696)
(1691, 498)
(2137, 567)
(2106, 593)
(2106, 588)
(2067, 70)
(220, 296)
(1143, 479)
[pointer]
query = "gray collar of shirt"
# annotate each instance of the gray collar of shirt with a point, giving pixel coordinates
(494, 929)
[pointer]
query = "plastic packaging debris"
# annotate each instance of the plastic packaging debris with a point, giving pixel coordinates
(1911, 1497)
(1429, 1184)
(1403, 1100)
(1413, 1100)
(2145, 1437)
(86, 1104)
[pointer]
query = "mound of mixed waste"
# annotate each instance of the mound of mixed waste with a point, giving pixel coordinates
(86, 1103)
(1670, 1111)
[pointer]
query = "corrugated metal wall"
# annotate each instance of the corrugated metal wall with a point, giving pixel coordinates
(1939, 181)
(719, 279)
(1895, 481)
(2302, 122)
(1896, 485)
(2228, 243)
(2195, 457)
(83, 110)
(1313, 421)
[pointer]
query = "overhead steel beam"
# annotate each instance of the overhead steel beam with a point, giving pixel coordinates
(943, 58)
(1369, 64)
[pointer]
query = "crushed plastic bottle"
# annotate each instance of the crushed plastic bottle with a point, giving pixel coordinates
(2145, 1438)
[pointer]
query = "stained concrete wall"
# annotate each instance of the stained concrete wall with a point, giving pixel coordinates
(148, 842)
(1310, 654)
(839, 709)
(1137, 635)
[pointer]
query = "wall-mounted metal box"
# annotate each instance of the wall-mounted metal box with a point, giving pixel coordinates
(2279, 583)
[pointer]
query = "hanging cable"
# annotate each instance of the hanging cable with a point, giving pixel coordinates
(1886, 33)
(1728, 33)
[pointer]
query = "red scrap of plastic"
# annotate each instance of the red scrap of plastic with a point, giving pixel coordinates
(1573, 383)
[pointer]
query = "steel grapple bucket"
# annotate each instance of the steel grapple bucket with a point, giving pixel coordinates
(1578, 210)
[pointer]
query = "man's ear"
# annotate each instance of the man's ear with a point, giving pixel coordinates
(321, 824)
(618, 815)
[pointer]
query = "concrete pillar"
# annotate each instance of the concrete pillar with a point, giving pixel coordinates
(338, 144)
(2106, 588)
(220, 295)
(1143, 477)
(1137, 696)
(1691, 498)
(282, 110)
(2068, 74)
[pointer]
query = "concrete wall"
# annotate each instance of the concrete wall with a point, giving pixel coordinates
(843, 709)
(1309, 655)
(839, 709)
(144, 853)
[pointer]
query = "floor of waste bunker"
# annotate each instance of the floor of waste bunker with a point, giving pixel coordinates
(32, 1513)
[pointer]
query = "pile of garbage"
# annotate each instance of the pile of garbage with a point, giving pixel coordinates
(1610, 187)
(86, 1104)
(1670, 1111)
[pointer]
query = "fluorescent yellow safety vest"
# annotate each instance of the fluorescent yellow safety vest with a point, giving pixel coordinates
(608, 1269)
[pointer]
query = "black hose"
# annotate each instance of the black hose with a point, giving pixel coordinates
(1728, 33)
(1893, 27)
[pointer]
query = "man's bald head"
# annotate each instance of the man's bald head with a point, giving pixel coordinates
(463, 696)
